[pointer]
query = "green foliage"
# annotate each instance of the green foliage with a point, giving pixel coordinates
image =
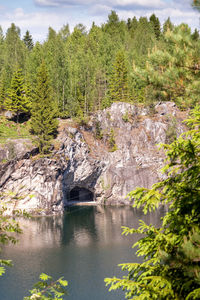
(7, 227)
(17, 100)
(142, 46)
(171, 253)
(11, 130)
(171, 130)
(114, 27)
(156, 25)
(28, 41)
(171, 71)
(118, 87)
(195, 35)
(126, 117)
(14, 52)
(47, 289)
(111, 141)
(2, 89)
(98, 130)
(132, 25)
(87, 73)
(43, 121)
(168, 26)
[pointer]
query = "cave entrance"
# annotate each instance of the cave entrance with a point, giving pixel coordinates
(81, 195)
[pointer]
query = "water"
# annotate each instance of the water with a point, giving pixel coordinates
(85, 246)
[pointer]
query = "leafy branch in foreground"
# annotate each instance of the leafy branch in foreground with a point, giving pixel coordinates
(8, 226)
(171, 253)
(47, 289)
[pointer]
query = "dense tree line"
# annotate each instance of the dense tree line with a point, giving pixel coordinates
(133, 60)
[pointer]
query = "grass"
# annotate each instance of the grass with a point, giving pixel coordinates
(12, 130)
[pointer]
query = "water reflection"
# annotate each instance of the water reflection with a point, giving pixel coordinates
(79, 225)
(82, 245)
(82, 225)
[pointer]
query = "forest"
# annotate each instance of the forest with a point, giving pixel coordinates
(137, 61)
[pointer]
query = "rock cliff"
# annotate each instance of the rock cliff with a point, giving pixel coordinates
(103, 160)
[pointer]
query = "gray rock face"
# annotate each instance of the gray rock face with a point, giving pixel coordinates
(14, 148)
(114, 154)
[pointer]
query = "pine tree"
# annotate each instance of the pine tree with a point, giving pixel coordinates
(172, 69)
(132, 25)
(28, 41)
(195, 35)
(17, 100)
(115, 28)
(118, 87)
(167, 25)
(156, 25)
(43, 121)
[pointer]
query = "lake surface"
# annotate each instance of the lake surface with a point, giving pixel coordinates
(84, 245)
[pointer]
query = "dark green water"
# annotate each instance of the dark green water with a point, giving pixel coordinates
(85, 246)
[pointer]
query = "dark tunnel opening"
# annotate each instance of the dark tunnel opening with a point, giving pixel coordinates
(79, 194)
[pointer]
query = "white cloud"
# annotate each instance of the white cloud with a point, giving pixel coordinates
(142, 3)
(37, 22)
(121, 3)
(46, 3)
(176, 15)
(100, 10)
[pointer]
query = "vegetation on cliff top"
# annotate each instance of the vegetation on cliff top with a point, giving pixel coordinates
(134, 60)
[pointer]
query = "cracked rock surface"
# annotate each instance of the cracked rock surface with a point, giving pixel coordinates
(110, 156)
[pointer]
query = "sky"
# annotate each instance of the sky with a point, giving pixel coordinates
(38, 15)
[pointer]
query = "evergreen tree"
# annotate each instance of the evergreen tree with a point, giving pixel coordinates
(15, 50)
(115, 28)
(172, 69)
(28, 41)
(195, 35)
(168, 25)
(17, 100)
(43, 120)
(129, 23)
(156, 25)
(33, 61)
(143, 39)
(64, 32)
(113, 23)
(118, 86)
(132, 25)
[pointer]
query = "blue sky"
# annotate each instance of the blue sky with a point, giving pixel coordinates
(38, 15)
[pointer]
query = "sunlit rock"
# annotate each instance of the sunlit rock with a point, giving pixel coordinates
(105, 159)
